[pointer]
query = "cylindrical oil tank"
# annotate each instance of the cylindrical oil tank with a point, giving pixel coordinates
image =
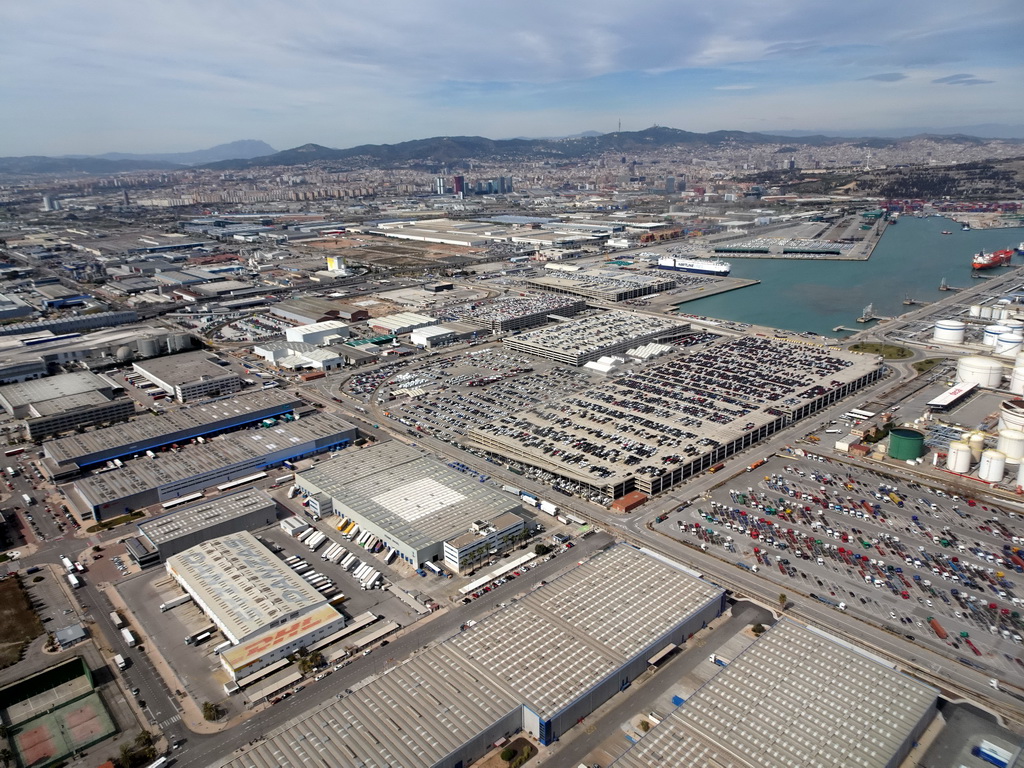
(993, 466)
(959, 457)
(1011, 443)
(992, 333)
(148, 348)
(974, 310)
(976, 440)
(1009, 343)
(949, 331)
(1017, 326)
(1017, 380)
(1011, 414)
(1020, 475)
(182, 341)
(983, 371)
(906, 443)
(986, 313)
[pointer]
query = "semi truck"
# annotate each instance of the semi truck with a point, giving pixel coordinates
(116, 620)
(197, 637)
(714, 658)
(347, 561)
(128, 637)
(174, 602)
(937, 628)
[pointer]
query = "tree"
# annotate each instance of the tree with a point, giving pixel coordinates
(783, 600)
(541, 549)
(6, 756)
(508, 754)
(211, 711)
(645, 726)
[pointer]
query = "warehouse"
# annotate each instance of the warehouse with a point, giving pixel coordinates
(403, 322)
(249, 594)
(582, 340)
(68, 455)
(796, 697)
(190, 376)
(56, 404)
(142, 482)
(540, 665)
(162, 537)
(649, 429)
(449, 333)
(407, 499)
(327, 332)
(607, 285)
(294, 355)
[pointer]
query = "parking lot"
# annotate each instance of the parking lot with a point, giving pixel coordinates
(894, 552)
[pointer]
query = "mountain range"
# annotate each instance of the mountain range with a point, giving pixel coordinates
(448, 150)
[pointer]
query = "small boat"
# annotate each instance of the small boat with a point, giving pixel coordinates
(965, 227)
(946, 232)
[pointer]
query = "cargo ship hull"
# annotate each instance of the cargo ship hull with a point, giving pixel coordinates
(712, 267)
(984, 260)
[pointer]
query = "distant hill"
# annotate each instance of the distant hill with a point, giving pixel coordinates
(450, 149)
(235, 150)
(117, 162)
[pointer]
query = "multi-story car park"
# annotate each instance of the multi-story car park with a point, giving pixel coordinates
(167, 535)
(796, 697)
(658, 425)
(405, 498)
(66, 456)
(539, 665)
(836, 531)
(190, 376)
(582, 340)
(608, 285)
(514, 313)
(177, 474)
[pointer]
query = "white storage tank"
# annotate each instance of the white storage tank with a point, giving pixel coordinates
(1009, 343)
(976, 440)
(949, 331)
(983, 371)
(1011, 443)
(992, 333)
(1011, 414)
(1017, 326)
(959, 457)
(974, 310)
(986, 313)
(1020, 475)
(993, 466)
(1017, 380)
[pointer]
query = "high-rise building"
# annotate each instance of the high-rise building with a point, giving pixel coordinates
(458, 184)
(439, 185)
(670, 185)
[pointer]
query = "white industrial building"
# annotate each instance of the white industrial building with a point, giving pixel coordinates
(403, 322)
(190, 376)
(540, 665)
(320, 334)
(409, 500)
(796, 697)
(258, 603)
(296, 355)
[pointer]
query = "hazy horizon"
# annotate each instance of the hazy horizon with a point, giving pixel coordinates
(129, 77)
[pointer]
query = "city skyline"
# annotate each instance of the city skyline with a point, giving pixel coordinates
(130, 78)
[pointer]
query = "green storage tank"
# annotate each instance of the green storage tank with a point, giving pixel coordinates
(906, 444)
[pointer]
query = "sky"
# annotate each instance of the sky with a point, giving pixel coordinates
(147, 76)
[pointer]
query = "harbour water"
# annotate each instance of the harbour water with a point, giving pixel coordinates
(910, 260)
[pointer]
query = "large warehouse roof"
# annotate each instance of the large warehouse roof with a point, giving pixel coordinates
(147, 431)
(17, 396)
(418, 500)
(243, 583)
(184, 522)
(566, 640)
(183, 368)
(796, 697)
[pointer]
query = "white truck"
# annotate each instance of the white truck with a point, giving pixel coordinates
(121, 663)
(128, 637)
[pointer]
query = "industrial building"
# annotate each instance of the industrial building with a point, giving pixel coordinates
(61, 403)
(796, 697)
(679, 417)
(482, 539)
(219, 462)
(319, 334)
(190, 376)
(71, 323)
(295, 355)
(69, 455)
(514, 313)
(162, 537)
(309, 309)
(607, 285)
(407, 499)
(539, 665)
(403, 322)
(33, 355)
(583, 340)
(249, 593)
(439, 335)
